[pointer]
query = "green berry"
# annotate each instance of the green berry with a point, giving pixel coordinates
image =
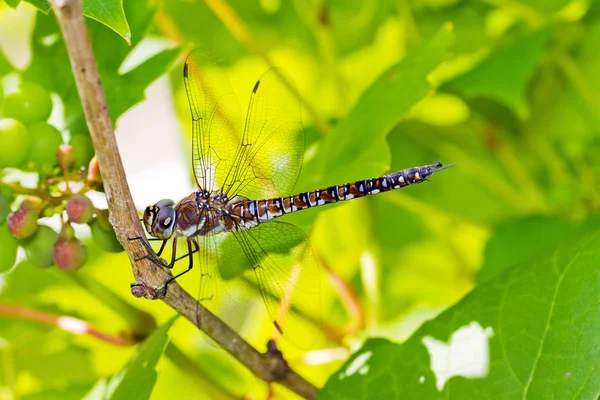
(80, 209)
(45, 142)
(69, 254)
(104, 236)
(23, 223)
(15, 143)
(29, 103)
(39, 250)
(83, 149)
(8, 249)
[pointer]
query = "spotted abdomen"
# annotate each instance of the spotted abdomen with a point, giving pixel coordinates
(254, 212)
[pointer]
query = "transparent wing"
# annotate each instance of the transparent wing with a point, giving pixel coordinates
(273, 261)
(269, 158)
(216, 120)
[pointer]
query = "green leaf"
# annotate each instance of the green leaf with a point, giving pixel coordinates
(107, 12)
(357, 148)
(527, 238)
(123, 91)
(137, 379)
(42, 5)
(13, 3)
(504, 74)
(467, 17)
(530, 332)
(353, 23)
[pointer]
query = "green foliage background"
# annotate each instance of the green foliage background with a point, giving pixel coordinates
(509, 91)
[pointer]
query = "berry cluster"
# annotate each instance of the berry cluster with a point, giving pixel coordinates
(66, 172)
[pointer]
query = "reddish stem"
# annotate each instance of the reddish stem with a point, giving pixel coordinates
(66, 323)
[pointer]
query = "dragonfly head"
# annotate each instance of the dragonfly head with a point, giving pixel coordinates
(159, 219)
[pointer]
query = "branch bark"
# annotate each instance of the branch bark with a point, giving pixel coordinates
(124, 218)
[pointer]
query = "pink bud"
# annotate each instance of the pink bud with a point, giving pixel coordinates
(65, 156)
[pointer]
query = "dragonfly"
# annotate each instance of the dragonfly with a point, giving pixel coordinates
(245, 173)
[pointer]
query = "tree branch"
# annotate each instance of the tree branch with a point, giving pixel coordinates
(124, 218)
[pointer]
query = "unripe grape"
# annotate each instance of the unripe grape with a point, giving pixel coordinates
(69, 254)
(40, 249)
(80, 209)
(45, 142)
(23, 223)
(103, 233)
(29, 103)
(83, 149)
(105, 238)
(33, 203)
(8, 248)
(15, 143)
(65, 156)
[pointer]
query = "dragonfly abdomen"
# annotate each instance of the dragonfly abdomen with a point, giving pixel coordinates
(253, 212)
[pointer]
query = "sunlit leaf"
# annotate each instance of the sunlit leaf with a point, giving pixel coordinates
(357, 149)
(512, 335)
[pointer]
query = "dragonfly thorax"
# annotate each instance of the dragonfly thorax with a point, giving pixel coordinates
(159, 219)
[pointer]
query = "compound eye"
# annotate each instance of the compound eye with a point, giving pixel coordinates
(165, 221)
(164, 203)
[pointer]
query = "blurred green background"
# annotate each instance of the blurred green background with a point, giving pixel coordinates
(509, 91)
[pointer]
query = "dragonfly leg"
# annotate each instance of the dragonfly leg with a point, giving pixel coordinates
(162, 247)
(145, 240)
(190, 255)
(196, 249)
(153, 256)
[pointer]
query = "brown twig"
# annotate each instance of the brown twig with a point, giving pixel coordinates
(66, 323)
(124, 218)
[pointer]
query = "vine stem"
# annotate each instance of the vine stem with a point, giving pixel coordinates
(124, 218)
(66, 323)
